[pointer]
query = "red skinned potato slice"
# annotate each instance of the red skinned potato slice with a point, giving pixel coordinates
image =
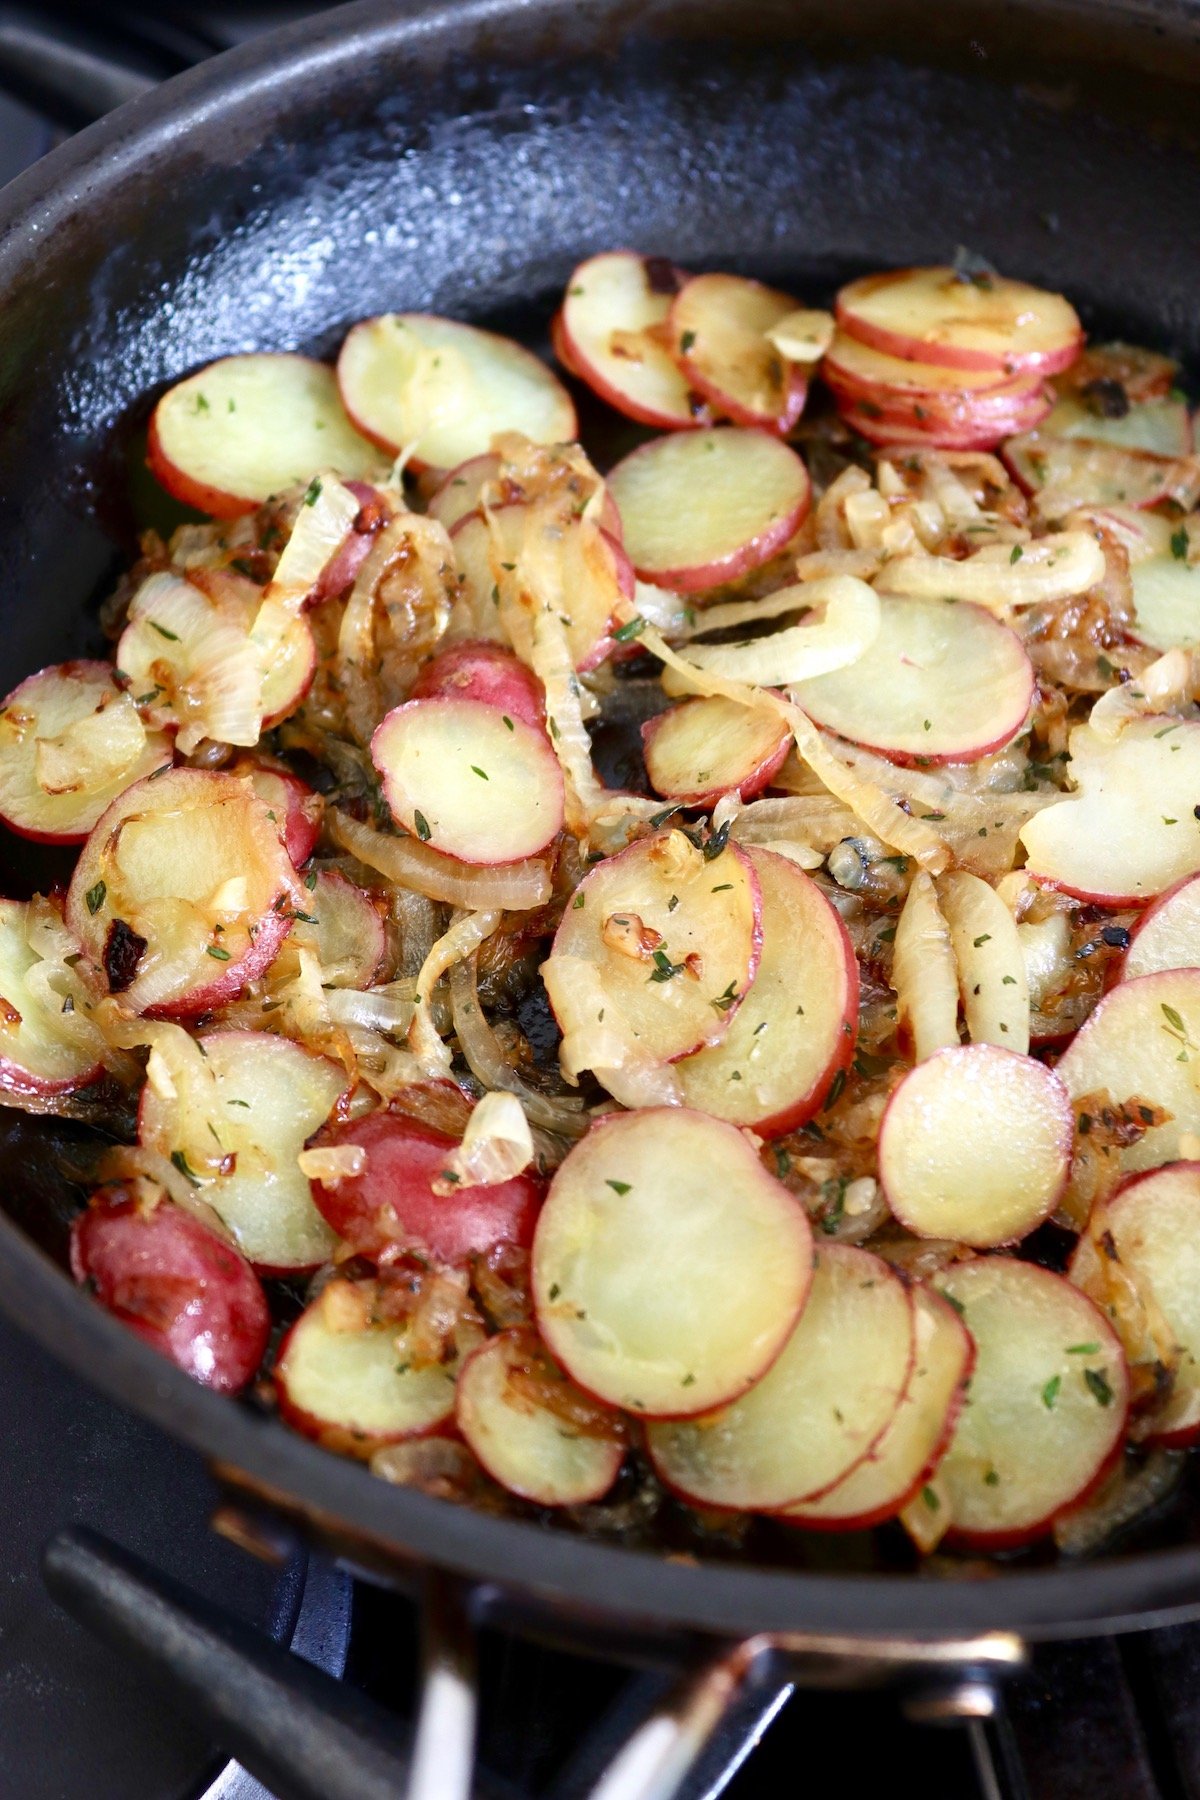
(460, 492)
(675, 939)
(390, 1205)
(857, 372)
(36, 1058)
(472, 782)
(1048, 1401)
(668, 1266)
(234, 1125)
(1166, 600)
(951, 425)
(896, 433)
(70, 742)
(355, 1388)
(796, 1027)
(1065, 473)
(909, 1450)
(935, 315)
(612, 332)
(211, 658)
(820, 1408)
(1161, 426)
(975, 1145)
(247, 427)
(596, 575)
(443, 390)
(719, 326)
(708, 747)
(1139, 1261)
(172, 1281)
(529, 1448)
(1130, 830)
(325, 543)
(347, 927)
(297, 809)
(190, 663)
(702, 507)
(488, 673)
(941, 682)
(182, 894)
(1141, 1045)
(1167, 936)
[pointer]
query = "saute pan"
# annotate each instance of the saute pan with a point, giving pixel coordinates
(461, 159)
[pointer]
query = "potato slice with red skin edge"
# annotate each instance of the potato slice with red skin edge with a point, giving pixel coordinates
(527, 1448)
(908, 1452)
(1167, 936)
(45, 707)
(340, 571)
(350, 934)
(612, 332)
(1090, 474)
(560, 345)
(975, 1145)
(870, 423)
(1129, 831)
(1018, 406)
(35, 1060)
(666, 1191)
(266, 1096)
(703, 748)
(296, 807)
(640, 915)
(820, 1408)
(934, 315)
(1046, 1409)
(392, 1206)
(473, 783)
(175, 1284)
(1131, 1047)
(149, 874)
(443, 389)
(1163, 427)
(941, 683)
(488, 673)
(859, 372)
(459, 494)
(597, 574)
(1166, 600)
(798, 1024)
(247, 427)
(702, 507)
(718, 326)
(189, 660)
(939, 415)
(1150, 1231)
(354, 1391)
(208, 655)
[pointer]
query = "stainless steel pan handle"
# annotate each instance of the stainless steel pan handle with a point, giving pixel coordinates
(307, 1737)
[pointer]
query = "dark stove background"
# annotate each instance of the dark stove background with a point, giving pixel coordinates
(1109, 1721)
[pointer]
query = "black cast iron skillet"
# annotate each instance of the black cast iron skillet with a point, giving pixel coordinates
(462, 159)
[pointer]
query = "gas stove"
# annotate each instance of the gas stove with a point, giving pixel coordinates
(1112, 1719)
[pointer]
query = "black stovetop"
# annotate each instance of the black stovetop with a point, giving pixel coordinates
(1105, 1721)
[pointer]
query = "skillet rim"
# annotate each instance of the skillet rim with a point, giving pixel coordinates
(596, 1581)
